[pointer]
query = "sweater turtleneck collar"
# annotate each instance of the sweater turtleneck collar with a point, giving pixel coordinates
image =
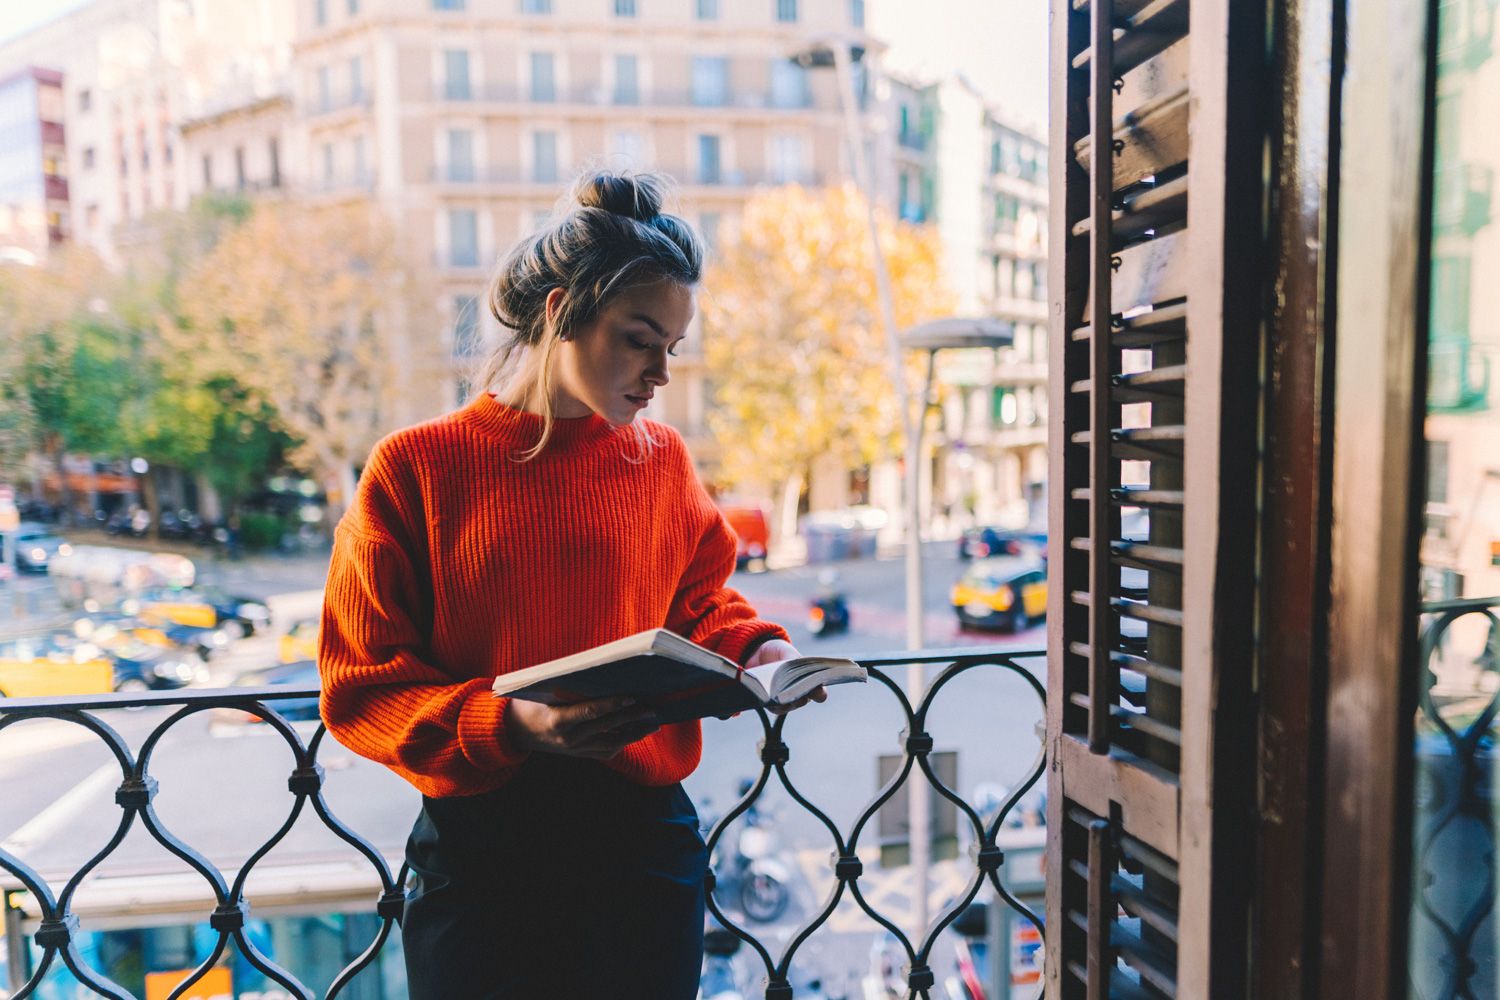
(522, 430)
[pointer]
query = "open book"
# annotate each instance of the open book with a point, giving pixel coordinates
(678, 678)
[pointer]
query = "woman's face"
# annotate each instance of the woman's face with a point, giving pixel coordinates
(614, 365)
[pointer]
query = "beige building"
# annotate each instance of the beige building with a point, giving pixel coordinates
(962, 164)
(1461, 547)
(466, 119)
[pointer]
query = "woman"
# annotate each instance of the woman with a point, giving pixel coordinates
(556, 854)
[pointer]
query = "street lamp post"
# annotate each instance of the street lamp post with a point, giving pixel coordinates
(841, 54)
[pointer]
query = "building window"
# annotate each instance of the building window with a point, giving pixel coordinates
(628, 148)
(788, 84)
(536, 6)
(463, 237)
(91, 217)
(857, 13)
(544, 157)
(543, 77)
(328, 164)
(88, 158)
(356, 79)
(456, 75)
(627, 80)
(274, 152)
(208, 172)
(361, 168)
(786, 11)
(166, 152)
(447, 4)
(320, 12)
(460, 155)
(466, 339)
(624, 8)
(325, 88)
(239, 168)
(710, 81)
(85, 99)
(710, 165)
(708, 10)
(353, 7)
(709, 224)
(788, 159)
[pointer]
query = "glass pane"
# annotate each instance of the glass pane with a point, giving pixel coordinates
(627, 85)
(543, 85)
(463, 236)
(456, 74)
(710, 80)
(709, 171)
(1455, 933)
(544, 156)
(460, 155)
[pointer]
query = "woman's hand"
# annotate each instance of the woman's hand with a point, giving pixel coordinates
(596, 729)
(779, 649)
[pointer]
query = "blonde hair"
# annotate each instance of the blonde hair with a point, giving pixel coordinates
(613, 236)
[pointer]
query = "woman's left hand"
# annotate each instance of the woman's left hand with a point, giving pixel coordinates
(779, 649)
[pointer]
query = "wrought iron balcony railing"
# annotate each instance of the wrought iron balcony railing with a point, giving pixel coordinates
(1457, 793)
(57, 927)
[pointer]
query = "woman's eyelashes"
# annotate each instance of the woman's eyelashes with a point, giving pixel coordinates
(642, 345)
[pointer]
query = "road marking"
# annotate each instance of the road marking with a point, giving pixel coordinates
(53, 819)
(28, 739)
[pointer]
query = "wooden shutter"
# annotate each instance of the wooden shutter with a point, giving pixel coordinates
(1157, 255)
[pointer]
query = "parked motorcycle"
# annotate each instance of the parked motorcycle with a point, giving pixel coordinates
(829, 613)
(747, 869)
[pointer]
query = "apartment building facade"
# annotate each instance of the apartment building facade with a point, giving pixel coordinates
(978, 175)
(466, 119)
(34, 207)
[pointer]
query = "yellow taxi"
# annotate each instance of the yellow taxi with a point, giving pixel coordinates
(300, 642)
(43, 668)
(1009, 592)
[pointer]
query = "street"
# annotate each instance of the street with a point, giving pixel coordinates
(987, 717)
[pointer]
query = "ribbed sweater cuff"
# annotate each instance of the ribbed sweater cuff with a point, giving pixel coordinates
(481, 732)
(743, 638)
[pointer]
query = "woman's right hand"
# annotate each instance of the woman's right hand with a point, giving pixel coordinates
(596, 729)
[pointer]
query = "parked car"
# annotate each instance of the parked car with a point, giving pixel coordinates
(300, 641)
(140, 666)
(752, 534)
(36, 546)
(302, 673)
(182, 640)
(983, 541)
(205, 607)
(39, 667)
(1007, 592)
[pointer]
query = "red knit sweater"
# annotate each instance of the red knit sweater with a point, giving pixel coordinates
(456, 563)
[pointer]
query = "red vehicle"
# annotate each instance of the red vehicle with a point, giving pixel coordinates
(752, 534)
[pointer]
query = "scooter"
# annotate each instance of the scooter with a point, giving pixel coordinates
(747, 869)
(829, 614)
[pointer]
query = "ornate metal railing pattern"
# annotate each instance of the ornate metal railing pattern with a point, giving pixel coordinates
(1455, 786)
(59, 926)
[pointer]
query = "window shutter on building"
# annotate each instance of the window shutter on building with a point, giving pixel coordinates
(1154, 367)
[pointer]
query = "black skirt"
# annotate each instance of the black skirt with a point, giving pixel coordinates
(568, 882)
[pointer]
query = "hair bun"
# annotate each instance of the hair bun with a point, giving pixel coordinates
(635, 196)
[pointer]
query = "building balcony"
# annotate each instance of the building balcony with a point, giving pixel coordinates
(225, 816)
(340, 103)
(1466, 38)
(1458, 376)
(354, 184)
(1462, 199)
(472, 179)
(594, 96)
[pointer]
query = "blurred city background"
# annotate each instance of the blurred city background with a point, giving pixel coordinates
(240, 242)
